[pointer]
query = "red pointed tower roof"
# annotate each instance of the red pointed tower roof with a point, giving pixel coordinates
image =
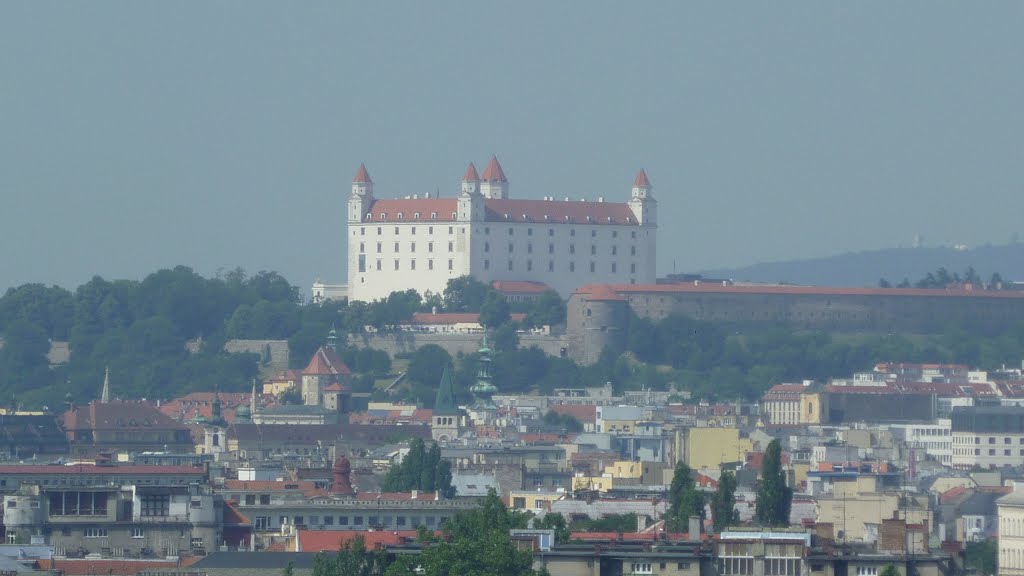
(362, 176)
(641, 180)
(326, 363)
(493, 172)
(471, 175)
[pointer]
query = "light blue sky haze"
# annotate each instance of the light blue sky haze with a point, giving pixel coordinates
(139, 135)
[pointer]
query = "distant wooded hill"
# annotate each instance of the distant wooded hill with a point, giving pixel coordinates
(893, 264)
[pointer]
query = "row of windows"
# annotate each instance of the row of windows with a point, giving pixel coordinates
(430, 230)
(487, 231)
(551, 249)
(398, 264)
(977, 452)
(551, 232)
(263, 522)
(412, 247)
(991, 440)
(551, 266)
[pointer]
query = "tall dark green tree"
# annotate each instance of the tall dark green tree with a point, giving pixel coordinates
(723, 503)
(774, 497)
(685, 500)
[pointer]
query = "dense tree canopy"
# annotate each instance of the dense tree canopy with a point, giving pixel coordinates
(723, 503)
(421, 469)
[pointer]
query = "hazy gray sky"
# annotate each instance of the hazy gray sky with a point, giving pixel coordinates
(140, 135)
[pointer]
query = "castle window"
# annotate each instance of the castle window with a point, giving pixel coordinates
(451, 264)
(451, 230)
(378, 264)
(510, 231)
(487, 229)
(362, 231)
(551, 265)
(430, 246)
(551, 248)
(430, 264)
(396, 263)
(510, 265)
(412, 246)
(369, 216)
(572, 248)
(593, 233)
(400, 215)
(487, 264)
(615, 234)
(362, 248)
(632, 268)
(412, 264)
(529, 265)
(430, 230)
(383, 215)
(529, 248)
(413, 230)
(551, 231)
(487, 246)
(433, 215)
(379, 230)
(593, 250)
(572, 266)
(379, 246)
(571, 232)
(529, 231)
(632, 250)
(454, 216)
(396, 246)
(592, 266)
(451, 246)
(416, 215)
(614, 267)
(510, 247)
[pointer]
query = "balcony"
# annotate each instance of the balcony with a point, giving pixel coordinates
(166, 519)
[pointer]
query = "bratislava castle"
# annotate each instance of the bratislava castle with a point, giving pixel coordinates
(421, 242)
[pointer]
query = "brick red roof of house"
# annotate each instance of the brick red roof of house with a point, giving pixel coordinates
(362, 176)
(504, 210)
(519, 287)
(641, 180)
(600, 293)
(493, 171)
(185, 407)
(84, 567)
(712, 288)
(583, 413)
(118, 415)
(325, 362)
(233, 516)
(784, 392)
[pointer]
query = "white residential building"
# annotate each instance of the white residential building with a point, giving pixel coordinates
(988, 436)
(1011, 534)
(422, 242)
(934, 438)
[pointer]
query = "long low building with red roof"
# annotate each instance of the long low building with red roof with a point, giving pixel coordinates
(598, 314)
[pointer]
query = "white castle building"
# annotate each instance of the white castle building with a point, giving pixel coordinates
(421, 242)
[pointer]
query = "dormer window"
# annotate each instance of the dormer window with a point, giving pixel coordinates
(454, 217)
(525, 217)
(433, 215)
(566, 217)
(383, 215)
(416, 216)
(609, 219)
(369, 215)
(588, 219)
(400, 215)
(506, 215)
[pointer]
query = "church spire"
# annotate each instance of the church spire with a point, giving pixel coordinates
(445, 404)
(105, 394)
